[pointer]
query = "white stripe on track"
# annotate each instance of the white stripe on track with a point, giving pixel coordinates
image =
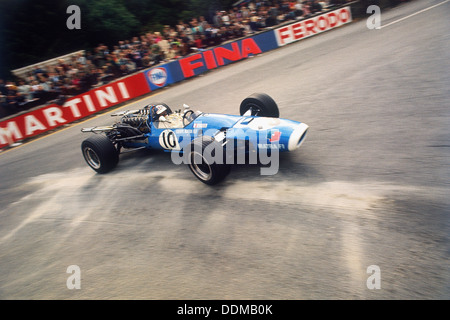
(412, 15)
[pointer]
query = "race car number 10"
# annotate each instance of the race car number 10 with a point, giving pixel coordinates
(168, 140)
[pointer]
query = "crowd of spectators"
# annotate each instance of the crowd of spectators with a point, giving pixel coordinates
(80, 73)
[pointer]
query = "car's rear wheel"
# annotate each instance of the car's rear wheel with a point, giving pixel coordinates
(203, 162)
(260, 104)
(100, 153)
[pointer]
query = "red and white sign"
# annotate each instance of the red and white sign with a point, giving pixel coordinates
(313, 26)
(218, 56)
(53, 116)
(158, 76)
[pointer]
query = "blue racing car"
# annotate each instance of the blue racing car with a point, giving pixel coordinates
(208, 143)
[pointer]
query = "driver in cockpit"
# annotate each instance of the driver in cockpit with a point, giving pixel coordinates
(161, 112)
(165, 118)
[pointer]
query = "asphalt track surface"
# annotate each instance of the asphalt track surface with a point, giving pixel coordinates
(368, 187)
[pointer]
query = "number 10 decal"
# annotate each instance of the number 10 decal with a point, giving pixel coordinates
(168, 140)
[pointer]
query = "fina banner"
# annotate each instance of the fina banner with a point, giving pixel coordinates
(315, 25)
(222, 55)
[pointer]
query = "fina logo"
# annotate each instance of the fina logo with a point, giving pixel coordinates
(158, 76)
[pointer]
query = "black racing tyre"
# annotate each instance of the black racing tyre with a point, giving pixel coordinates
(100, 153)
(261, 104)
(201, 162)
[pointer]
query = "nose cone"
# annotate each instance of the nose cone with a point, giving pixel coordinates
(297, 136)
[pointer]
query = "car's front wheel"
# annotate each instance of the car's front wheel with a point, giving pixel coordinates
(205, 164)
(260, 104)
(100, 153)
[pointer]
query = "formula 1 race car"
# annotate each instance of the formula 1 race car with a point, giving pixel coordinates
(208, 143)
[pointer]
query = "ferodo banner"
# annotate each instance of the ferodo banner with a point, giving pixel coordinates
(309, 27)
(53, 116)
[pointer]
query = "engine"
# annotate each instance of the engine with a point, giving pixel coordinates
(136, 121)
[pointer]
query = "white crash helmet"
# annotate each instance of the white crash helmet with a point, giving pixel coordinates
(160, 109)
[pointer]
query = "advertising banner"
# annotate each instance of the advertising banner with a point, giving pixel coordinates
(159, 77)
(52, 116)
(203, 61)
(310, 27)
